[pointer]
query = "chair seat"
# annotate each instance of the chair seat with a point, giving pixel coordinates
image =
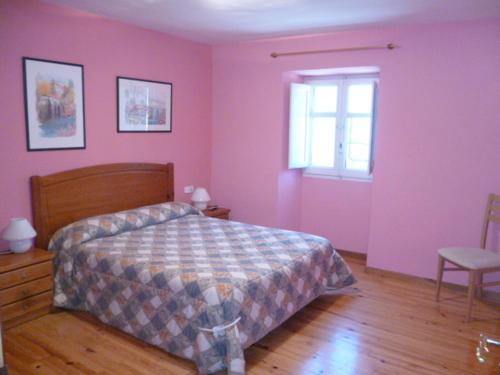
(472, 258)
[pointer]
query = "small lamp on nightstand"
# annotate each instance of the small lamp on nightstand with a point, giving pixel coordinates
(200, 198)
(20, 235)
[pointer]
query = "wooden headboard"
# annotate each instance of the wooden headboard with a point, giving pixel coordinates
(62, 198)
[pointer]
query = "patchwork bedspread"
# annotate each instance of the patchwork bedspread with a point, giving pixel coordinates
(198, 287)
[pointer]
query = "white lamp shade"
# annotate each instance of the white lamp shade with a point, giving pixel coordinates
(200, 198)
(18, 229)
(20, 235)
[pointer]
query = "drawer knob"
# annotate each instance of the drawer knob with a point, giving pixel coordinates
(26, 305)
(25, 292)
(23, 275)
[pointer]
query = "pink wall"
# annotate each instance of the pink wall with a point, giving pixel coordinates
(438, 140)
(337, 210)
(106, 49)
(438, 145)
(248, 140)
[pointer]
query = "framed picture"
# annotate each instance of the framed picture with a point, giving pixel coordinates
(144, 106)
(54, 105)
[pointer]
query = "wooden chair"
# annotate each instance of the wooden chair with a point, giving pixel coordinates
(477, 261)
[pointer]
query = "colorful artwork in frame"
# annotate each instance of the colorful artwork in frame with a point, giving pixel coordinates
(144, 106)
(54, 105)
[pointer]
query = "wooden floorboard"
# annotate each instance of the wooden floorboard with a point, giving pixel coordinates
(384, 325)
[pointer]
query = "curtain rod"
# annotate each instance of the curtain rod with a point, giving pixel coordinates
(389, 46)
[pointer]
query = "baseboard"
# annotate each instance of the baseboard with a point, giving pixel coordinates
(489, 295)
(395, 274)
(351, 254)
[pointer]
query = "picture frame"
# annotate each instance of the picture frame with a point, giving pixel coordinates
(143, 106)
(54, 105)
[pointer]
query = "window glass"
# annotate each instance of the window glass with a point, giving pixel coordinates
(360, 98)
(323, 142)
(325, 99)
(357, 143)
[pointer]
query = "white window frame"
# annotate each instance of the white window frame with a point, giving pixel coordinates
(339, 171)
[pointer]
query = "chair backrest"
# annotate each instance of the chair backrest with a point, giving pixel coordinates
(492, 214)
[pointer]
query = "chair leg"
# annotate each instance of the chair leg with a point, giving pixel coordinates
(470, 297)
(439, 277)
(479, 290)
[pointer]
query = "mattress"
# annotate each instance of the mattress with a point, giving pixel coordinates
(198, 287)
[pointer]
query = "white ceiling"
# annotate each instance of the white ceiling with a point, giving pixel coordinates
(219, 21)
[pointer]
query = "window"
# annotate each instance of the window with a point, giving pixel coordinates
(331, 126)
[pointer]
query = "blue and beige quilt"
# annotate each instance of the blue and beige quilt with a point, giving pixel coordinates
(198, 287)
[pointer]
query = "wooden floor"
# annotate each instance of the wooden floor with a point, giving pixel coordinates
(385, 325)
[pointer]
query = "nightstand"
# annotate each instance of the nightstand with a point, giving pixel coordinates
(219, 213)
(26, 286)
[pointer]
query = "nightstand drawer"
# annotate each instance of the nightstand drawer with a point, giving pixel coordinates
(25, 290)
(26, 306)
(22, 275)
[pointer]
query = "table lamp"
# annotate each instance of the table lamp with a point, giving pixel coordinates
(200, 198)
(20, 235)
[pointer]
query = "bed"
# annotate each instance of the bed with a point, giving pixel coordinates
(198, 287)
